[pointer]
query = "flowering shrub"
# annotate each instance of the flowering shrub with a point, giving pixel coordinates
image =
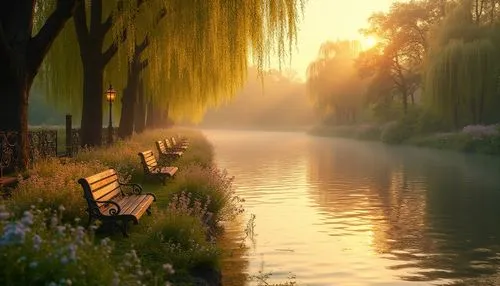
(212, 187)
(52, 183)
(481, 131)
(37, 249)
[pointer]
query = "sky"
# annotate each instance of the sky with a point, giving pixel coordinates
(330, 20)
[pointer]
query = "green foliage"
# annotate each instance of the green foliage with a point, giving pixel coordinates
(214, 44)
(212, 187)
(180, 231)
(36, 249)
(53, 183)
(333, 83)
(461, 78)
(395, 132)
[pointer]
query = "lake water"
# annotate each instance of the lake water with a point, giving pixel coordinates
(344, 212)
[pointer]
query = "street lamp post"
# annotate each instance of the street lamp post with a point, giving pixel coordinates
(110, 96)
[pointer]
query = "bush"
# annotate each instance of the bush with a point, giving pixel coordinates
(395, 132)
(209, 186)
(368, 132)
(52, 183)
(36, 249)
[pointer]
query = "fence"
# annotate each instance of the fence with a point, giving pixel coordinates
(42, 143)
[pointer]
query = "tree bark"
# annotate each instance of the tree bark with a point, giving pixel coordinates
(92, 110)
(21, 55)
(140, 110)
(94, 59)
(128, 104)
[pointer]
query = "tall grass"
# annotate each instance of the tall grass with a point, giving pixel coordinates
(179, 232)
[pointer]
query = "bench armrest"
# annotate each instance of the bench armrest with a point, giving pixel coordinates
(136, 188)
(115, 209)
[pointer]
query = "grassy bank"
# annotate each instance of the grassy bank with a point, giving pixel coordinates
(42, 240)
(471, 139)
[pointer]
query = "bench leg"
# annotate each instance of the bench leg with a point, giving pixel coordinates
(123, 227)
(148, 211)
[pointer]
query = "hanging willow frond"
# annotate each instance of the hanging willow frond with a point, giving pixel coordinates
(198, 52)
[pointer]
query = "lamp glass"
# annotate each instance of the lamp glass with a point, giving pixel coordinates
(110, 94)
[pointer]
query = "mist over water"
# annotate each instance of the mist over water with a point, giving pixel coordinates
(343, 212)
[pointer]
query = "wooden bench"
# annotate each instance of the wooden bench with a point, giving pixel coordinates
(174, 147)
(6, 186)
(109, 203)
(166, 154)
(181, 144)
(153, 170)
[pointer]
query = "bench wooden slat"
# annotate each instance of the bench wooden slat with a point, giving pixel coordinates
(92, 179)
(103, 182)
(108, 192)
(153, 169)
(105, 186)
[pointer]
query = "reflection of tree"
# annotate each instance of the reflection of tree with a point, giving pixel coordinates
(235, 257)
(435, 214)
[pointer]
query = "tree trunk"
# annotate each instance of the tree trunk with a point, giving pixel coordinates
(21, 55)
(92, 110)
(128, 103)
(14, 116)
(94, 58)
(140, 109)
(405, 101)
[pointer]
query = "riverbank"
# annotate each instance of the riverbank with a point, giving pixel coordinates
(471, 139)
(43, 238)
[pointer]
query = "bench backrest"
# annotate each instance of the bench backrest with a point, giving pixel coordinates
(101, 187)
(161, 147)
(148, 161)
(173, 141)
(167, 143)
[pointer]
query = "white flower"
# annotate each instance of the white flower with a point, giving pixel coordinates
(37, 241)
(168, 268)
(27, 218)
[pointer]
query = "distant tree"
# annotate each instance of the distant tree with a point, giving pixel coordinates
(461, 80)
(402, 43)
(333, 83)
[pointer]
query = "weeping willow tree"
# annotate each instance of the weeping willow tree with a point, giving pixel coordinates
(462, 71)
(27, 31)
(333, 83)
(197, 54)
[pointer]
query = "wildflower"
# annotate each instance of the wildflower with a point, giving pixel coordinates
(33, 264)
(61, 229)
(13, 233)
(64, 260)
(116, 279)
(37, 241)
(4, 215)
(27, 218)
(61, 208)
(72, 252)
(169, 269)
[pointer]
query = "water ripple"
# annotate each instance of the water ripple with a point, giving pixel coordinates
(341, 212)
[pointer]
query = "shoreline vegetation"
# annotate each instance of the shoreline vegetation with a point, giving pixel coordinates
(43, 239)
(477, 139)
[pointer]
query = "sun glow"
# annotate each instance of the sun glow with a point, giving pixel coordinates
(368, 42)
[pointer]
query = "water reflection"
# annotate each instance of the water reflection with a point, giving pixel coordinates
(341, 212)
(435, 214)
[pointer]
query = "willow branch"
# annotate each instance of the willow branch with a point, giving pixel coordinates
(41, 43)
